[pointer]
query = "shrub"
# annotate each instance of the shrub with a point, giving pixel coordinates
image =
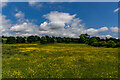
(111, 43)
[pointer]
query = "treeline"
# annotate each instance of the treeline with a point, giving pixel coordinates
(83, 38)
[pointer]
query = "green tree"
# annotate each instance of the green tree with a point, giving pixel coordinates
(91, 40)
(67, 40)
(59, 40)
(11, 40)
(53, 40)
(31, 39)
(43, 40)
(96, 44)
(83, 38)
(117, 44)
(20, 39)
(111, 43)
(102, 43)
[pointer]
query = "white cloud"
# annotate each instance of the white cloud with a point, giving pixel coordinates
(35, 4)
(116, 9)
(114, 29)
(19, 14)
(25, 29)
(32, 3)
(57, 24)
(66, 25)
(5, 24)
(104, 36)
(95, 32)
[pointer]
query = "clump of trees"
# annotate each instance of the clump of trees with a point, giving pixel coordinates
(83, 38)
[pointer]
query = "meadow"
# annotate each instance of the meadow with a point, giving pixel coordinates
(58, 60)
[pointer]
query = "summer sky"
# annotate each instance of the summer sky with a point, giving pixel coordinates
(64, 19)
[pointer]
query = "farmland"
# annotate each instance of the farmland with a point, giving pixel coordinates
(58, 60)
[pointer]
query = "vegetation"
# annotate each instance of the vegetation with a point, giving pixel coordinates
(84, 38)
(59, 60)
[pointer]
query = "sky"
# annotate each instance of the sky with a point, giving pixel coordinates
(64, 19)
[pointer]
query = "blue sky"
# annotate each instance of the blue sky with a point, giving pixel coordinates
(97, 18)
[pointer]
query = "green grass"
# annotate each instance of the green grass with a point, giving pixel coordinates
(59, 60)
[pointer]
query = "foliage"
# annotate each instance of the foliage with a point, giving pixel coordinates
(20, 39)
(84, 38)
(117, 44)
(91, 40)
(111, 43)
(31, 39)
(102, 43)
(43, 40)
(11, 40)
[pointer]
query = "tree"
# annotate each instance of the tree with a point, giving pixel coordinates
(31, 39)
(48, 39)
(37, 38)
(117, 44)
(96, 44)
(102, 43)
(67, 40)
(84, 38)
(20, 40)
(11, 40)
(53, 40)
(59, 40)
(43, 40)
(91, 40)
(111, 43)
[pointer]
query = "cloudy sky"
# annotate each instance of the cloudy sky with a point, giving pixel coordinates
(65, 19)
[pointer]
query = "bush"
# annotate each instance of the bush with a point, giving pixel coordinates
(111, 43)
(11, 40)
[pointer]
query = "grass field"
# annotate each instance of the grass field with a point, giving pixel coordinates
(59, 60)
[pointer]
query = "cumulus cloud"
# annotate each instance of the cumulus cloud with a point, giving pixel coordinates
(116, 9)
(5, 24)
(93, 31)
(56, 24)
(25, 29)
(19, 14)
(66, 25)
(114, 29)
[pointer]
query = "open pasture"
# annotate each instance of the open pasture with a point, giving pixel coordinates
(59, 60)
